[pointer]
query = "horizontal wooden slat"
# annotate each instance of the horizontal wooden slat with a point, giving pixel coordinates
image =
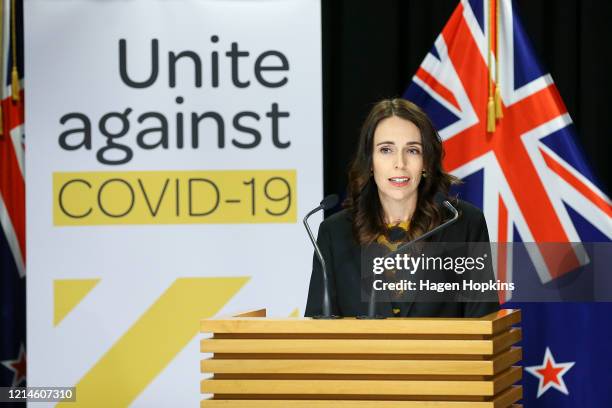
(353, 346)
(506, 339)
(507, 359)
(352, 397)
(506, 320)
(487, 325)
(507, 397)
(361, 346)
(365, 387)
(506, 379)
(211, 403)
(348, 356)
(328, 366)
(358, 387)
(329, 377)
(347, 404)
(351, 336)
(504, 400)
(439, 367)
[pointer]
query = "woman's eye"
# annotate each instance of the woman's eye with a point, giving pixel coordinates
(385, 150)
(414, 151)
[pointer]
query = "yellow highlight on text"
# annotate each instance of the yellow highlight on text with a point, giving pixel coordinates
(174, 197)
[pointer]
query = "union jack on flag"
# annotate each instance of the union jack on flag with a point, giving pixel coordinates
(523, 168)
(526, 171)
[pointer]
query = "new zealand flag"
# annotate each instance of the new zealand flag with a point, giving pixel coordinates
(509, 137)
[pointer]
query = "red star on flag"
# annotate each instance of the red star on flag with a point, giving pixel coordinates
(550, 374)
(18, 367)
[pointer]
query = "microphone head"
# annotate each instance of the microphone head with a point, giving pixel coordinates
(329, 202)
(439, 198)
(444, 201)
(396, 234)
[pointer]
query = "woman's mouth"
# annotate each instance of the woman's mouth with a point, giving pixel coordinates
(399, 181)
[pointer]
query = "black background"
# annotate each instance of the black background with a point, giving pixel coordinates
(371, 50)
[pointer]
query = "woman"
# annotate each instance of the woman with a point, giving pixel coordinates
(393, 180)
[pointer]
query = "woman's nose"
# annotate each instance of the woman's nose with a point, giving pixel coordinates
(400, 161)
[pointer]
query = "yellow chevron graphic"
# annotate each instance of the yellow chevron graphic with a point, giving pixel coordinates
(295, 313)
(153, 341)
(67, 293)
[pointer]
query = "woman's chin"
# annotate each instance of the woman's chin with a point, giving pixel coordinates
(399, 196)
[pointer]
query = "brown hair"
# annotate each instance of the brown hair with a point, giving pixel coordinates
(363, 200)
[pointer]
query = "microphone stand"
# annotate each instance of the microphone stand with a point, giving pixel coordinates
(327, 203)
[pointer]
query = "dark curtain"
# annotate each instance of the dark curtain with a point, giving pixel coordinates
(372, 48)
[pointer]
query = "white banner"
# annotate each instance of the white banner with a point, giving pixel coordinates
(172, 149)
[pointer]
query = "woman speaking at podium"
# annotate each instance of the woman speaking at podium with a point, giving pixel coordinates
(393, 181)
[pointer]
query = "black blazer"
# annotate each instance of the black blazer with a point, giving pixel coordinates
(343, 260)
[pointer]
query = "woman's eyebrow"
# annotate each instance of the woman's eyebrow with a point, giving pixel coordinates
(407, 143)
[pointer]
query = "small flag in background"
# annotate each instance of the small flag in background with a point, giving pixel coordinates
(509, 137)
(12, 199)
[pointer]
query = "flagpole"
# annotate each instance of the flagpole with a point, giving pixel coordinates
(498, 105)
(16, 86)
(491, 101)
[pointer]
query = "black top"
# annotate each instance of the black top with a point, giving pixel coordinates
(342, 255)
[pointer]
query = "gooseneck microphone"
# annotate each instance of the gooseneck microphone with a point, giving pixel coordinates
(439, 199)
(394, 235)
(328, 202)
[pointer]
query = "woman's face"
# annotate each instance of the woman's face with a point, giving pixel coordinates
(397, 159)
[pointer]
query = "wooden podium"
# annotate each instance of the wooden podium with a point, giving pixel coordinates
(397, 362)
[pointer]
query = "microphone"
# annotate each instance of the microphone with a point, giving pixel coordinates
(396, 234)
(328, 202)
(439, 199)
